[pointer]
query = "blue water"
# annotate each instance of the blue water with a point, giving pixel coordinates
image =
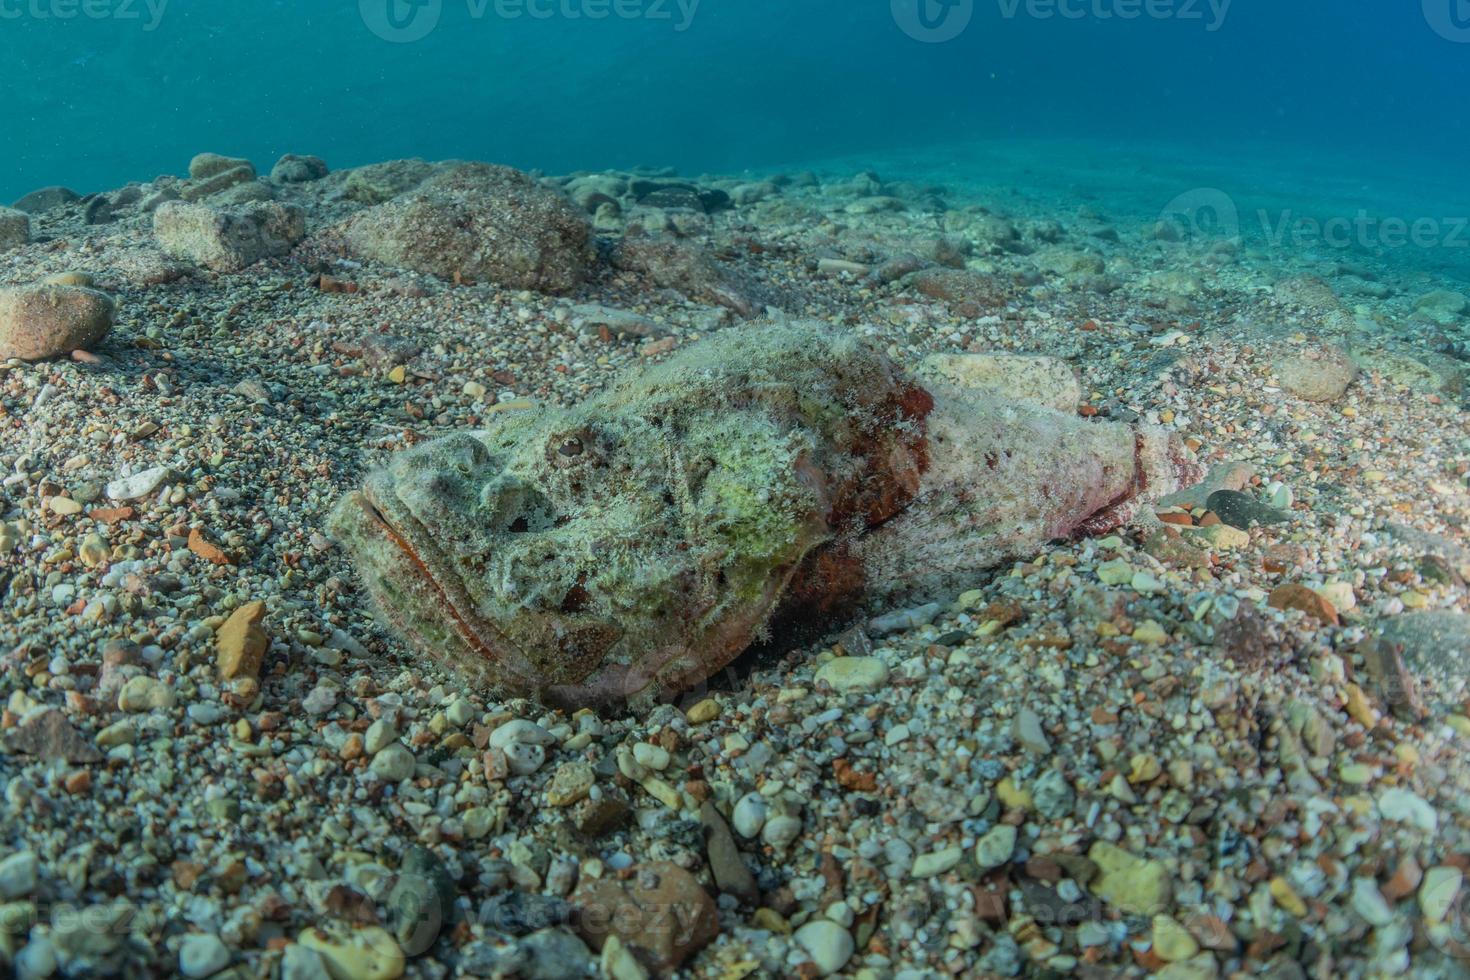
(100, 92)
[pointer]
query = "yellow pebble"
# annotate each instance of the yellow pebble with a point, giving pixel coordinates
(398, 375)
(1287, 898)
(705, 711)
(771, 921)
(1012, 795)
(1358, 708)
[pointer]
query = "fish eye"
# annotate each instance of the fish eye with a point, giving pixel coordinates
(578, 448)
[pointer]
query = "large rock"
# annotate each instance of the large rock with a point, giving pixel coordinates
(228, 239)
(15, 228)
(661, 912)
(38, 322)
(682, 267)
(1318, 373)
(207, 165)
(45, 199)
(1442, 305)
(293, 169)
(481, 222)
(379, 182)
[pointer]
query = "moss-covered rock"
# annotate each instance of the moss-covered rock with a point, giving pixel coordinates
(480, 222)
(228, 239)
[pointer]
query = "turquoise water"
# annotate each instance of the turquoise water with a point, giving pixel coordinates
(99, 92)
(1305, 106)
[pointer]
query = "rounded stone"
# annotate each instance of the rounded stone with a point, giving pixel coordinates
(393, 764)
(852, 675)
(202, 955)
(145, 694)
(40, 322)
(749, 815)
(828, 944)
(996, 847)
(1319, 373)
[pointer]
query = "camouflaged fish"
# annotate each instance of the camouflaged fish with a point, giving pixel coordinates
(628, 548)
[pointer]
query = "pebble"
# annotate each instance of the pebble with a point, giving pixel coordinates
(1369, 902)
(1243, 511)
(145, 694)
(617, 962)
(828, 944)
(704, 712)
(658, 909)
(369, 953)
(241, 643)
(1028, 731)
(393, 764)
(907, 619)
(379, 735)
(19, 875)
(300, 962)
(202, 955)
(651, 756)
(1172, 942)
(1303, 599)
(1134, 885)
(937, 862)
(853, 675)
(781, 831)
(1053, 795)
(749, 815)
(726, 863)
(138, 485)
(320, 700)
(1405, 806)
(570, 784)
(996, 847)
(1438, 892)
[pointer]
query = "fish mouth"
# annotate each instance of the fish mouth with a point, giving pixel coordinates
(415, 588)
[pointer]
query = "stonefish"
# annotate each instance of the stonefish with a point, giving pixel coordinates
(626, 549)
